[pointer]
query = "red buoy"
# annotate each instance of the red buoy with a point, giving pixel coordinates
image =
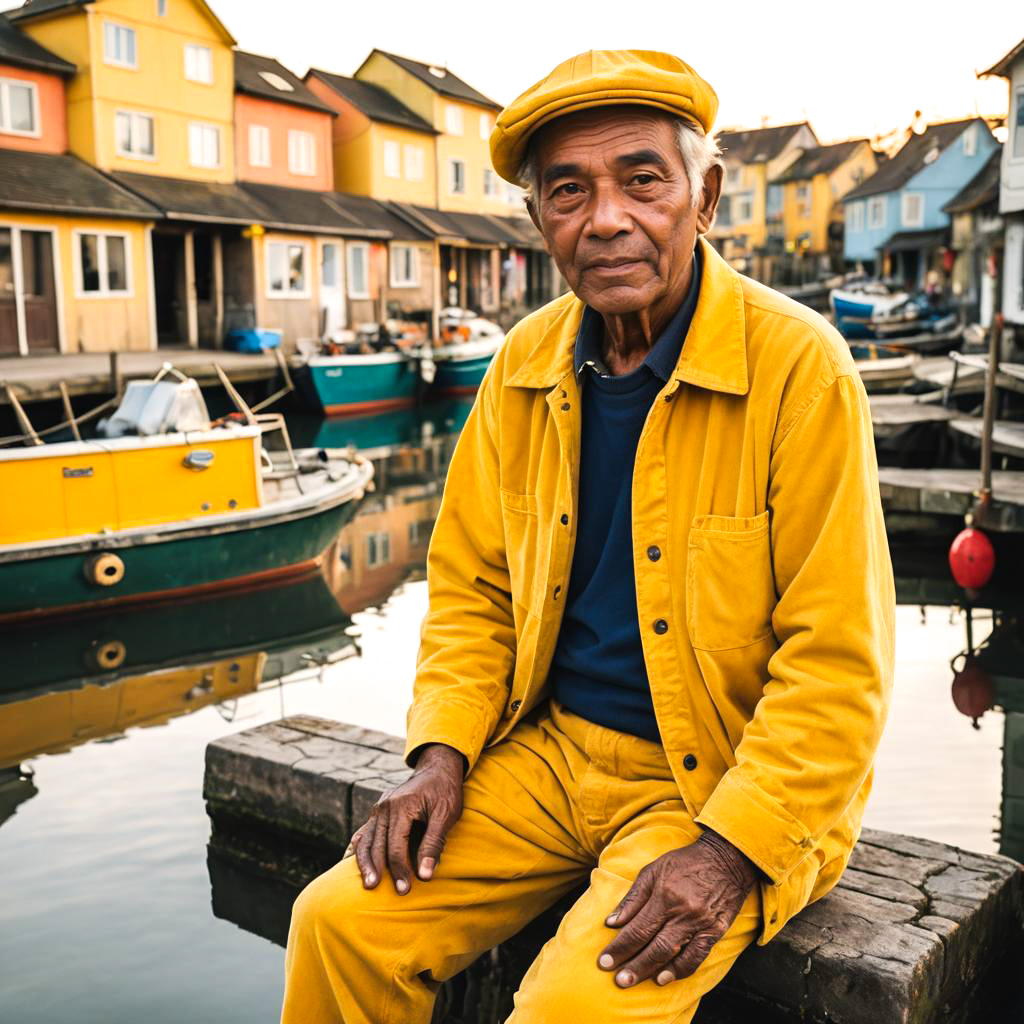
(973, 693)
(972, 559)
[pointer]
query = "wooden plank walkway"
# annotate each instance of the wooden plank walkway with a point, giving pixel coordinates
(914, 932)
(36, 378)
(951, 492)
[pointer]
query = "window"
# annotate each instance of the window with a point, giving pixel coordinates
(876, 212)
(203, 145)
(1018, 128)
(971, 140)
(276, 81)
(485, 127)
(743, 207)
(912, 209)
(287, 264)
(161, 8)
(490, 183)
(19, 107)
(392, 162)
(803, 201)
(102, 264)
(301, 153)
(413, 157)
(453, 120)
(855, 216)
(378, 550)
(135, 135)
(457, 177)
(259, 145)
(199, 63)
(119, 45)
(773, 200)
(329, 265)
(358, 270)
(405, 270)
(733, 176)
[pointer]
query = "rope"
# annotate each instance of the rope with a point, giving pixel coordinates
(66, 425)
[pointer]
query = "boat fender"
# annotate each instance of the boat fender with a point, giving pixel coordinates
(428, 369)
(107, 655)
(104, 569)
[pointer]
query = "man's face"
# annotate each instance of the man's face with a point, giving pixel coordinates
(614, 205)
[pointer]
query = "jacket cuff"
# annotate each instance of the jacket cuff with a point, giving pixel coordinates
(757, 825)
(455, 725)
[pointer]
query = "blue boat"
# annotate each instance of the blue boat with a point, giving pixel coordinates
(468, 344)
(855, 307)
(351, 384)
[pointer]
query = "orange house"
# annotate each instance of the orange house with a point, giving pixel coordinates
(282, 131)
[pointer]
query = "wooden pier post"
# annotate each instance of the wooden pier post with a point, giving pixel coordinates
(989, 413)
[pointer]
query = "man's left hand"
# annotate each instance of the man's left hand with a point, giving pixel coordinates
(679, 906)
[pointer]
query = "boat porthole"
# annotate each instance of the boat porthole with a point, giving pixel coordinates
(108, 655)
(105, 569)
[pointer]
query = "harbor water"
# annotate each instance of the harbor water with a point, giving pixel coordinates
(106, 909)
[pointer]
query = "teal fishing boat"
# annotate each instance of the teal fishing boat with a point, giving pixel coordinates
(354, 383)
(468, 344)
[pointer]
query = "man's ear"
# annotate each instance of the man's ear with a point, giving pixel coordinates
(531, 209)
(709, 199)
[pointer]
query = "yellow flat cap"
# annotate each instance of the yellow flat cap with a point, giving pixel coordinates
(601, 78)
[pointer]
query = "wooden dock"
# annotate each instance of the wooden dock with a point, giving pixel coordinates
(37, 378)
(915, 933)
(940, 493)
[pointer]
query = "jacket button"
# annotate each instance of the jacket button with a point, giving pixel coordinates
(654, 552)
(660, 626)
(515, 706)
(689, 762)
(564, 520)
(565, 407)
(558, 590)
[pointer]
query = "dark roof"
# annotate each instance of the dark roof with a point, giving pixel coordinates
(379, 215)
(904, 241)
(179, 199)
(376, 103)
(248, 80)
(475, 228)
(899, 169)
(758, 145)
(445, 83)
(1004, 64)
(820, 160)
(982, 189)
(18, 49)
(30, 8)
(64, 184)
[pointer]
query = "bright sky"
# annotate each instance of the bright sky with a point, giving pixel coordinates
(851, 68)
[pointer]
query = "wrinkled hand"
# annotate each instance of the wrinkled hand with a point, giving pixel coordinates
(679, 906)
(430, 801)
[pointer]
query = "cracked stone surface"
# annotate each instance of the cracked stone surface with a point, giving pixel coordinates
(906, 936)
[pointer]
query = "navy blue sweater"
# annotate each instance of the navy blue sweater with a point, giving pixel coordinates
(598, 670)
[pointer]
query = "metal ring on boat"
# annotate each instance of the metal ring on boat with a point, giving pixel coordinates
(105, 569)
(108, 655)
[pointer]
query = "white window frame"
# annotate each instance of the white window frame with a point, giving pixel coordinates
(490, 183)
(380, 540)
(876, 203)
(350, 276)
(413, 279)
(259, 145)
(413, 162)
(745, 197)
(208, 50)
(452, 190)
(101, 254)
(485, 127)
(206, 126)
(116, 62)
(804, 200)
(288, 243)
(1017, 126)
(5, 108)
(905, 220)
(855, 216)
(131, 154)
(453, 123)
(970, 138)
(301, 143)
(392, 159)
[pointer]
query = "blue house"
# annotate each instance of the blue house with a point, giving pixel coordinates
(894, 221)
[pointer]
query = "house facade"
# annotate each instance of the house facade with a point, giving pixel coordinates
(894, 220)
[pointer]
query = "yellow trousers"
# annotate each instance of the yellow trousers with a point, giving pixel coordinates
(556, 800)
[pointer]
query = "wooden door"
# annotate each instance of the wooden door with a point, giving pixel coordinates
(8, 304)
(332, 291)
(40, 291)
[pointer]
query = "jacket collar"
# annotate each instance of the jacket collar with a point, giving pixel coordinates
(714, 354)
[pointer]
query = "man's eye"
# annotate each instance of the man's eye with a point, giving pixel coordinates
(643, 179)
(570, 188)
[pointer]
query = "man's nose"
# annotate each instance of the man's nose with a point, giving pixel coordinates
(608, 216)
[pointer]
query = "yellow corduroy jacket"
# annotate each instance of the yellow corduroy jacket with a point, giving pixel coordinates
(756, 479)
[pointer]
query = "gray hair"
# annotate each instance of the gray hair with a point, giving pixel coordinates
(699, 152)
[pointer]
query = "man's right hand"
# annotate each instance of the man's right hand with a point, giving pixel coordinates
(431, 797)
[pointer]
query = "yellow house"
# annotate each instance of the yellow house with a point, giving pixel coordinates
(752, 158)
(462, 118)
(154, 88)
(804, 211)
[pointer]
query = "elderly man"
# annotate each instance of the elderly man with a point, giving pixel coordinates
(658, 652)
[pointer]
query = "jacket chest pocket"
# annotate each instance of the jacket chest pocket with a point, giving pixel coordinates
(520, 523)
(730, 586)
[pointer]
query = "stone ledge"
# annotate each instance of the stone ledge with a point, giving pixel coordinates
(914, 933)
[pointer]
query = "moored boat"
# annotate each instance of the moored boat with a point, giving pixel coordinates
(854, 306)
(173, 505)
(468, 344)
